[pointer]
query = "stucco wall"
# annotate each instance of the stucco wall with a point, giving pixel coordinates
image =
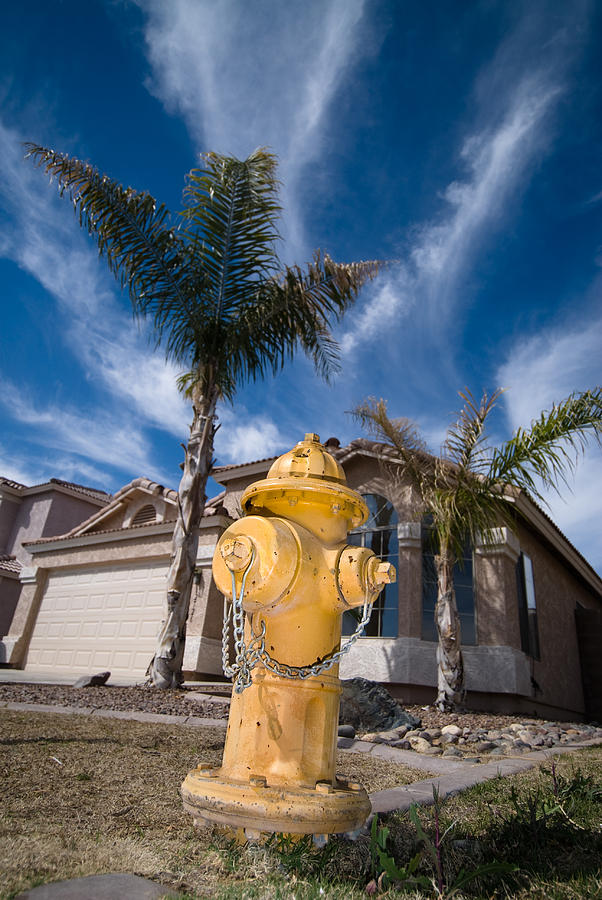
(10, 588)
(66, 512)
(557, 592)
(9, 509)
(29, 524)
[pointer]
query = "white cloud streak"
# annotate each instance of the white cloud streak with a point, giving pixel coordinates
(496, 158)
(542, 370)
(242, 79)
(44, 241)
(95, 437)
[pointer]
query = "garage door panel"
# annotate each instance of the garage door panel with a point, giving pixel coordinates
(99, 618)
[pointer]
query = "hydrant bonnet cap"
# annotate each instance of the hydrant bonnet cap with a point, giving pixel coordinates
(307, 466)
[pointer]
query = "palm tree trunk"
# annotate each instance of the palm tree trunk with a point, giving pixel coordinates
(450, 666)
(165, 669)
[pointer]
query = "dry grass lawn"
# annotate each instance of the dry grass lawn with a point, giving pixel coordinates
(84, 795)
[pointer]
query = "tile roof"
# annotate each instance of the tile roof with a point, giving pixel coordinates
(73, 486)
(9, 564)
(82, 489)
(91, 534)
(252, 462)
(12, 484)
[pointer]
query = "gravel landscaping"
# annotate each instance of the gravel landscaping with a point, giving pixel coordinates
(471, 735)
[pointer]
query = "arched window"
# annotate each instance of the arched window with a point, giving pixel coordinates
(379, 534)
(463, 587)
(145, 515)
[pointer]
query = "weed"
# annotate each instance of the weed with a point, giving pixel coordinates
(384, 867)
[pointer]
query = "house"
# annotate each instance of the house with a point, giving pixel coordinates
(28, 513)
(93, 598)
(530, 605)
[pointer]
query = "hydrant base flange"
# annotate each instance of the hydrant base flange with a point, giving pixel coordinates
(212, 799)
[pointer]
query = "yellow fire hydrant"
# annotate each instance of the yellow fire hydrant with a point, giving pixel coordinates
(288, 566)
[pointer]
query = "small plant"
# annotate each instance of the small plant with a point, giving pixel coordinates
(434, 847)
(384, 867)
(300, 854)
(387, 872)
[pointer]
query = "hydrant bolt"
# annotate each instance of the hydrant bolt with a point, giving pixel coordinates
(324, 787)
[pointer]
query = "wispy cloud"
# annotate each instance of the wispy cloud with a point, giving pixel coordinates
(245, 437)
(244, 79)
(539, 371)
(44, 241)
(101, 437)
(495, 157)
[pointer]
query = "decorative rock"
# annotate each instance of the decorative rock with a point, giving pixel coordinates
(92, 680)
(432, 732)
(484, 746)
(449, 738)
(420, 745)
(451, 752)
(454, 730)
(370, 707)
(401, 745)
(347, 731)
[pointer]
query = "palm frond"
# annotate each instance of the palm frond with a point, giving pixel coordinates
(547, 451)
(288, 313)
(402, 435)
(465, 444)
(132, 231)
(230, 221)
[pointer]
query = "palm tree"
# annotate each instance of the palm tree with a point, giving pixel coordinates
(222, 307)
(472, 487)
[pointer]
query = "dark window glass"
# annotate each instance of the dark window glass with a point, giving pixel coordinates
(379, 534)
(527, 607)
(463, 586)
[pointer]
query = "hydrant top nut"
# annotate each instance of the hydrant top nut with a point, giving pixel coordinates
(236, 552)
(381, 572)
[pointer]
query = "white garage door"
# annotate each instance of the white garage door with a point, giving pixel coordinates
(99, 619)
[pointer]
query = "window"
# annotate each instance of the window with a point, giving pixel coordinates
(463, 587)
(145, 515)
(379, 534)
(527, 608)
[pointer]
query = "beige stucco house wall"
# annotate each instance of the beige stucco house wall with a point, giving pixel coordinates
(93, 599)
(29, 513)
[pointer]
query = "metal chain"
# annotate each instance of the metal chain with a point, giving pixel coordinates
(247, 656)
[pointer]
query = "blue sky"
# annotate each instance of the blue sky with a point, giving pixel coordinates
(462, 140)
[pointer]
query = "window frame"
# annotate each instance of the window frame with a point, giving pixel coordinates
(381, 606)
(527, 607)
